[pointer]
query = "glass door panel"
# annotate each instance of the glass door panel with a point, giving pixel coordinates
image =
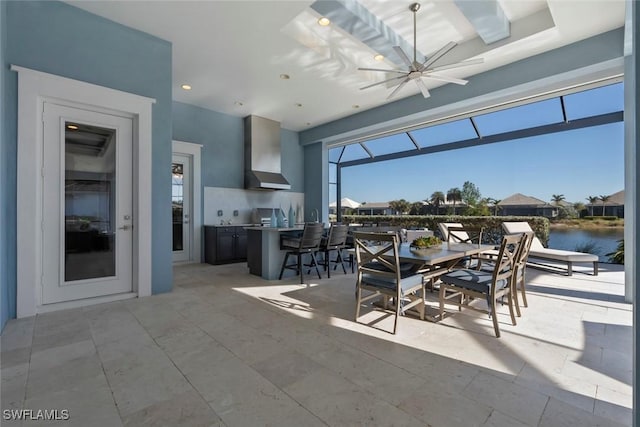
(89, 202)
(177, 205)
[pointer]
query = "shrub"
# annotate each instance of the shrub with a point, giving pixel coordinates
(492, 224)
(588, 247)
(617, 257)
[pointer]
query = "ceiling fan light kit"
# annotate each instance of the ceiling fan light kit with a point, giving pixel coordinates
(416, 71)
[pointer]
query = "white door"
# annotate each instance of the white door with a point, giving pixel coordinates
(87, 204)
(181, 197)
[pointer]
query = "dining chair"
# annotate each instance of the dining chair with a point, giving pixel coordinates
(454, 232)
(335, 241)
(308, 244)
(381, 273)
(519, 273)
(462, 287)
(519, 279)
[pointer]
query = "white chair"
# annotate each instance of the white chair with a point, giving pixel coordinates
(538, 251)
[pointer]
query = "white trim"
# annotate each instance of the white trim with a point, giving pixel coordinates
(195, 151)
(85, 302)
(33, 88)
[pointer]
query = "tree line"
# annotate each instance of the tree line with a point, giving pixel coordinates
(476, 205)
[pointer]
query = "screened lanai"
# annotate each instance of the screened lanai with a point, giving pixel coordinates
(596, 104)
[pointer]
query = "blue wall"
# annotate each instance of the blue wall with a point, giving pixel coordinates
(4, 226)
(56, 38)
(222, 137)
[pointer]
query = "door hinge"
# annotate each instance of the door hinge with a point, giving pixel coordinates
(42, 172)
(42, 225)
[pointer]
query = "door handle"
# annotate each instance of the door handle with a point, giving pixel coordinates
(186, 222)
(125, 227)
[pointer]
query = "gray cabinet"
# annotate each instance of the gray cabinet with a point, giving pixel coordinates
(224, 245)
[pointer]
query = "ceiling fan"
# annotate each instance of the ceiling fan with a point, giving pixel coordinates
(417, 70)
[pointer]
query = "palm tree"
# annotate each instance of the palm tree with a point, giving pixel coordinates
(603, 199)
(399, 206)
(455, 195)
(592, 201)
(437, 198)
(557, 198)
(496, 207)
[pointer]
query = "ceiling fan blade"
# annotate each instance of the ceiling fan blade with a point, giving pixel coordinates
(400, 86)
(383, 82)
(380, 69)
(456, 65)
(439, 54)
(404, 57)
(423, 88)
(445, 79)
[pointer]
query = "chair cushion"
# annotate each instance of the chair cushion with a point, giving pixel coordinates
(406, 283)
(472, 279)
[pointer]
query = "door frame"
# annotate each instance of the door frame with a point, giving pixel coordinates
(34, 88)
(195, 152)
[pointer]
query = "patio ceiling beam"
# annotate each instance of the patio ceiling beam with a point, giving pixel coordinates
(601, 119)
(356, 20)
(487, 17)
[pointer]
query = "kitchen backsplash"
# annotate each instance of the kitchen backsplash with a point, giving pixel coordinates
(228, 200)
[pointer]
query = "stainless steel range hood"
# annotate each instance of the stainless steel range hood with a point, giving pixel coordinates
(262, 161)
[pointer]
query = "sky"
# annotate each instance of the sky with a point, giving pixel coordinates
(577, 164)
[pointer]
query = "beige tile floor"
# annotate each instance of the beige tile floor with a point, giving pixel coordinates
(229, 349)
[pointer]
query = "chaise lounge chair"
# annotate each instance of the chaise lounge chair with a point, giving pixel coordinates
(540, 252)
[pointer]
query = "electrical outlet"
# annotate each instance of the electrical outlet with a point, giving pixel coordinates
(220, 212)
(235, 213)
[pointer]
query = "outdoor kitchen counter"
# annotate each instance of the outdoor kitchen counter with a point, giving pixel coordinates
(264, 255)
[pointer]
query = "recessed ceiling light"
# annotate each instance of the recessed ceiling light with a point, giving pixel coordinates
(355, 106)
(324, 21)
(308, 123)
(239, 103)
(298, 104)
(72, 127)
(186, 87)
(379, 57)
(285, 76)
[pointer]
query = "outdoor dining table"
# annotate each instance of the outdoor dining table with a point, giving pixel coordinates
(436, 261)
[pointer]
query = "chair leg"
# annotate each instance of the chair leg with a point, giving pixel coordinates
(327, 264)
(441, 297)
(395, 321)
(284, 264)
(339, 257)
(315, 263)
(358, 297)
(511, 310)
(595, 268)
(523, 290)
(494, 317)
(569, 268)
(514, 295)
(300, 269)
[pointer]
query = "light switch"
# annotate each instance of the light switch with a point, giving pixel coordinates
(220, 212)
(235, 213)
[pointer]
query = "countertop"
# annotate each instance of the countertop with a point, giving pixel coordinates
(296, 228)
(231, 225)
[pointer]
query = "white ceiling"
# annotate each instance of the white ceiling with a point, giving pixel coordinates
(233, 52)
